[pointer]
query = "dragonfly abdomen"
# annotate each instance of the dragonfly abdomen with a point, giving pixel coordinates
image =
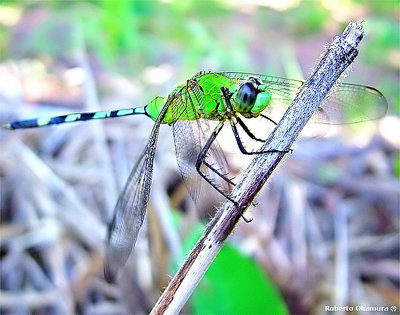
(46, 121)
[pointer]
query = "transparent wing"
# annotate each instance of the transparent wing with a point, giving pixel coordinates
(352, 103)
(131, 207)
(347, 103)
(190, 135)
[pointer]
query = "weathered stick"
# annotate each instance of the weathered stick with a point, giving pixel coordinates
(335, 60)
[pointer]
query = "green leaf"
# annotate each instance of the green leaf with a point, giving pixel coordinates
(235, 284)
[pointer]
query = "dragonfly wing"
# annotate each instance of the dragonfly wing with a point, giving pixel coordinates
(351, 103)
(190, 135)
(187, 133)
(347, 103)
(131, 207)
(128, 217)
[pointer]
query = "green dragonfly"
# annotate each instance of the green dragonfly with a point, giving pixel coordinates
(221, 97)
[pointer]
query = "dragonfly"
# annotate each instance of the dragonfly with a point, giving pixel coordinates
(226, 98)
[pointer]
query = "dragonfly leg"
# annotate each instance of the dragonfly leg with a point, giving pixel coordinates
(247, 130)
(240, 211)
(241, 146)
(218, 172)
(201, 161)
(269, 119)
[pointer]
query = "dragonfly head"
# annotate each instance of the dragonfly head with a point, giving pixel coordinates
(251, 98)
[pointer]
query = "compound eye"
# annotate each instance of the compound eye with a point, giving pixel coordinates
(246, 97)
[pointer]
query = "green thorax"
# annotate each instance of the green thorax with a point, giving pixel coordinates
(201, 97)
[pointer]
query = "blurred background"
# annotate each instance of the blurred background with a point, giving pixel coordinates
(325, 230)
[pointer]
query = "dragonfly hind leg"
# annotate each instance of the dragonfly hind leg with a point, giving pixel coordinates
(217, 171)
(201, 160)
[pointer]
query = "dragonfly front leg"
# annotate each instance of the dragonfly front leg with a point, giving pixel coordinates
(247, 130)
(201, 161)
(240, 143)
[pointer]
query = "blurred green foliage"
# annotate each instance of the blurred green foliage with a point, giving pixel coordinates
(385, 40)
(310, 19)
(128, 36)
(132, 34)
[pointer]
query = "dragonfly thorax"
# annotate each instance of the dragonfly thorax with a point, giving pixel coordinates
(250, 99)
